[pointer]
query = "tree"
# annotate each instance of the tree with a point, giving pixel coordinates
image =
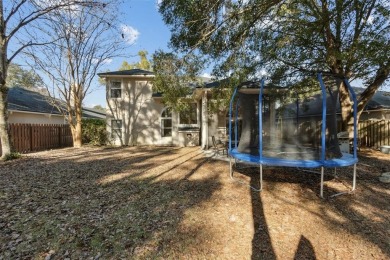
(175, 77)
(99, 107)
(16, 21)
(346, 38)
(83, 40)
(144, 63)
(19, 77)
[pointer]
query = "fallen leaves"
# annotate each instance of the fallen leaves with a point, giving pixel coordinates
(147, 202)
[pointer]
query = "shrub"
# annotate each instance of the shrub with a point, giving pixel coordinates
(12, 156)
(94, 131)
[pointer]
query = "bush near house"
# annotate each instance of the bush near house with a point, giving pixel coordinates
(94, 131)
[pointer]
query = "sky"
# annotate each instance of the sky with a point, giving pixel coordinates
(145, 29)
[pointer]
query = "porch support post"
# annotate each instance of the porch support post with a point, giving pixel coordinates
(272, 121)
(204, 123)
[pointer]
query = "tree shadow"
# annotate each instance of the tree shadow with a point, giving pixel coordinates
(305, 249)
(62, 205)
(362, 214)
(261, 242)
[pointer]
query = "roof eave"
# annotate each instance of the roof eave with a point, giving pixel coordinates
(125, 76)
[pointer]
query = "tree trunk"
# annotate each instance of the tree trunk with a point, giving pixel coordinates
(332, 142)
(77, 137)
(76, 134)
(4, 135)
(346, 108)
(76, 100)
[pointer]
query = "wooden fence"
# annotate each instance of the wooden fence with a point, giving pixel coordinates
(374, 133)
(371, 133)
(27, 138)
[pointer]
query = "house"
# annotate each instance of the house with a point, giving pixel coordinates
(378, 108)
(137, 116)
(27, 106)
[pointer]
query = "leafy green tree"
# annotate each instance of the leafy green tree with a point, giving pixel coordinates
(288, 38)
(100, 108)
(144, 63)
(175, 77)
(94, 131)
(19, 77)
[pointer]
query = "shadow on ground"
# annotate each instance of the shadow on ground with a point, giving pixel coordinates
(115, 203)
(364, 213)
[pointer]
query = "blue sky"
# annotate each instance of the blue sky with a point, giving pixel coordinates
(148, 31)
(153, 34)
(144, 28)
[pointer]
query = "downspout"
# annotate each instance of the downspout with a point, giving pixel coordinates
(204, 128)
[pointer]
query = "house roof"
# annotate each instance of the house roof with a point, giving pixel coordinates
(380, 100)
(313, 105)
(25, 100)
(93, 113)
(21, 99)
(215, 84)
(132, 72)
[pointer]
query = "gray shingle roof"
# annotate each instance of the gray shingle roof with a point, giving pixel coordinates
(132, 72)
(21, 99)
(381, 99)
(25, 100)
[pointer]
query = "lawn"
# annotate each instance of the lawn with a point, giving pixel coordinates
(176, 203)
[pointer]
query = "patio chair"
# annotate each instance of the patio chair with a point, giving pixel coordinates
(218, 146)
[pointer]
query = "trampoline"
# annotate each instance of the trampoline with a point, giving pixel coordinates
(290, 126)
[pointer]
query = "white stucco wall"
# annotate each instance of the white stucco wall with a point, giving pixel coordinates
(34, 118)
(139, 112)
(217, 126)
(141, 115)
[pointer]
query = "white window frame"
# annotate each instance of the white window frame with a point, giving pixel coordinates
(116, 132)
(196, 124)
(162, 119)
(113, 87)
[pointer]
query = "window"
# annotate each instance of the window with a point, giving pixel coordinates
(166, 122)
(116, 90)
(189, 116)
(116, 128)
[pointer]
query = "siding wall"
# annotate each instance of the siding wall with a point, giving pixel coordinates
(17, 117)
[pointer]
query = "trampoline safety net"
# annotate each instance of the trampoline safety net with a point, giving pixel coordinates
(293, 121)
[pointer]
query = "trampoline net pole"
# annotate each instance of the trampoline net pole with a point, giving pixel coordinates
(354, 178)
(322, 183)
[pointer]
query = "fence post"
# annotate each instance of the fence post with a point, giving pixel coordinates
(59, 136)
(31, 137)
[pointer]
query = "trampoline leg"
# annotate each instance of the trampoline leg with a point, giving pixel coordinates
(353, 184)
(354, 178)
(322, 183)
(253, 188)
(261, 177)
(231, 168)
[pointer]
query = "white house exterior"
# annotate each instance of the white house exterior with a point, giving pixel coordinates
(136, 115)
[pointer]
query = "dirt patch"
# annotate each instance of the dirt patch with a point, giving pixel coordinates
(153, 202)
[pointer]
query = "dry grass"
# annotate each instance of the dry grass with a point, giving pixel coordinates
(175, 203)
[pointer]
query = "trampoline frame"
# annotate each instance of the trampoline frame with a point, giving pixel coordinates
(346, 160)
